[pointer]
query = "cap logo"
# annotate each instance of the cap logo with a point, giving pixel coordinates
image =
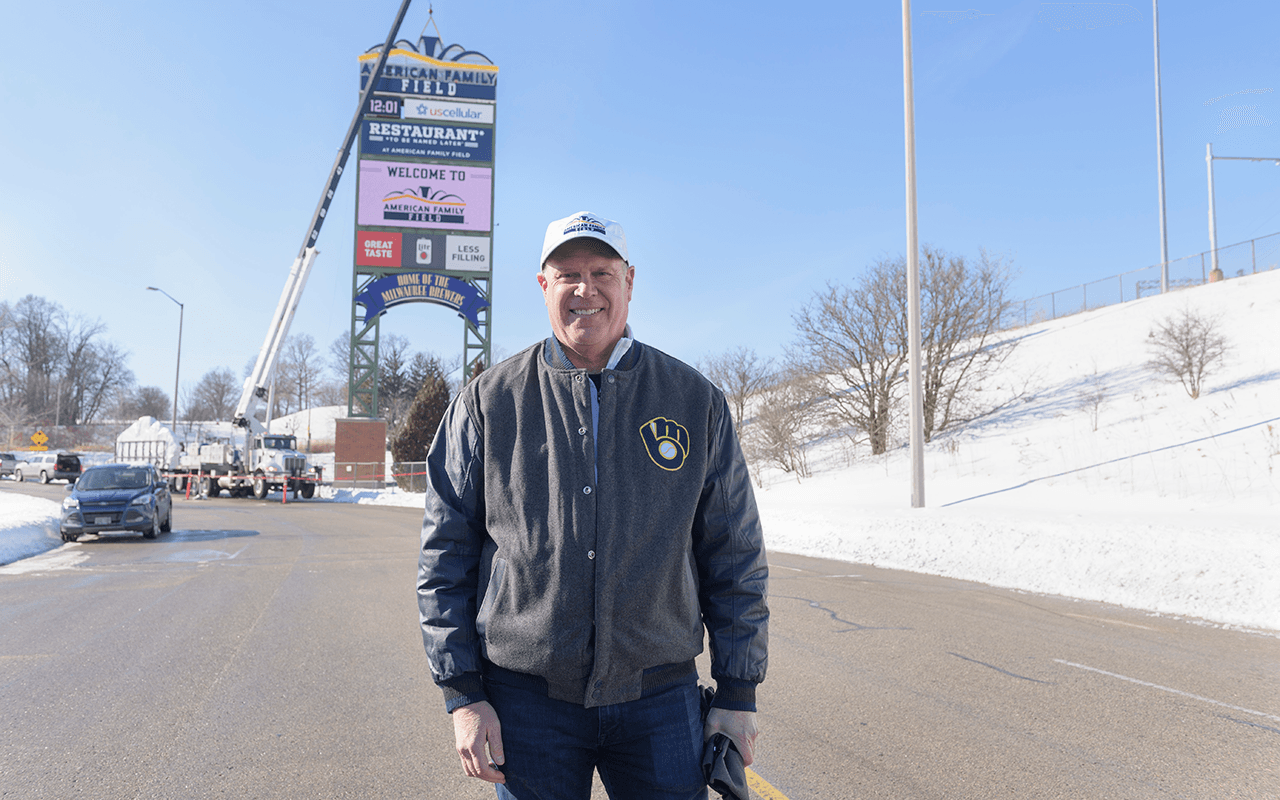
(584, 224)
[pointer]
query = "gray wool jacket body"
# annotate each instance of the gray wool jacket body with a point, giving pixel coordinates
(591, 574)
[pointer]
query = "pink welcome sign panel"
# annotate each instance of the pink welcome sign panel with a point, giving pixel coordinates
(403, 195)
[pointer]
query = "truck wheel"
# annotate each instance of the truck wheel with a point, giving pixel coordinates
(308, 490)
(215, 489)
(260, 488)
(19, 474)
(44, 476)
(69, 537)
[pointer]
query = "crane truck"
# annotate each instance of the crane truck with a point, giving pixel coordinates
(270, 461)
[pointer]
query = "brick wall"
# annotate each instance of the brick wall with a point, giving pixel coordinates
(359, 450)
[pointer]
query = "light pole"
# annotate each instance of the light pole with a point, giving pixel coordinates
(1209, 158)
(178, 366)
(1164, 235)
(916, 414)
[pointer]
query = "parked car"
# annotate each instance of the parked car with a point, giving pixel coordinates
(7, 462)
(48, 467)
(117, 497)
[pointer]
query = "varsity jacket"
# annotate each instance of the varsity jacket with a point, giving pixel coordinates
(590, 556)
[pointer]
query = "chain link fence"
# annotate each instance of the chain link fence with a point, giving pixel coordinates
(1245, 258)
(410, 476)
(359, 475)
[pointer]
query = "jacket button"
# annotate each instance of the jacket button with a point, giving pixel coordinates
(591, 554)
(582, 431)
(613, 379)
(578, 377)
(586, 490)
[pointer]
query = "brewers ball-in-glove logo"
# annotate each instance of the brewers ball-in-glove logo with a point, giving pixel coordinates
(666, 441)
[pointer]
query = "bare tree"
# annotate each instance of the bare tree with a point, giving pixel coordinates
(299, 371)
(59, 369)
(12, 397)
(103, 379)
(854, 339)
(37, 353)
(331, 390)
(338, 357)
(740, 374)
(215, 396)
(851, 340)
(143, 401)
(13, 418)
(776, 435)
(1092, 394)
(1185, 347)
(80, 358)
(962, 308)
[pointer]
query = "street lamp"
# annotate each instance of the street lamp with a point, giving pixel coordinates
(1164, 234)
(915, 385)
(1209, 158)
(178, 366)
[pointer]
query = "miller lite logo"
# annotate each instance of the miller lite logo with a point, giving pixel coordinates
(424, 251)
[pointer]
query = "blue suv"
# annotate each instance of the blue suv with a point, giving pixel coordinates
(117, 497)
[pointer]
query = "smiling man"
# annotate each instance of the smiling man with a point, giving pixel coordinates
(587, 288)
(588, 515)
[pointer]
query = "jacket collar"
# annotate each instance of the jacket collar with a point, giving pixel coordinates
(555, 356)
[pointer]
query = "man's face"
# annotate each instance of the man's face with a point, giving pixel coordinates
(587, 294)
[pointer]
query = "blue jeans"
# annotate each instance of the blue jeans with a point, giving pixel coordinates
(646, 749)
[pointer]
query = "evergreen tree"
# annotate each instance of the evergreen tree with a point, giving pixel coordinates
(413, 440)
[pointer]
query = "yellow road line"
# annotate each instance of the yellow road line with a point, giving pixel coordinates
(762, 787)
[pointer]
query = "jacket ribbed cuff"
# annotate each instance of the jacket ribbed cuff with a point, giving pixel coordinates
(734, 695)
(463, 690)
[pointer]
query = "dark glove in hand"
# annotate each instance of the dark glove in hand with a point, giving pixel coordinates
(723, 769)
(722, 765)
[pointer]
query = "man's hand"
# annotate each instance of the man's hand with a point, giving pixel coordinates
(740, 726)
(474, 727)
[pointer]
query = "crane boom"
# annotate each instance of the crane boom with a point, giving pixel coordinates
(256, 385)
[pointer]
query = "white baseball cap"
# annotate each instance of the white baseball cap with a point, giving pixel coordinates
(584, 224)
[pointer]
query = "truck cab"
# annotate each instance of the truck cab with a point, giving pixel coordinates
(275, 462)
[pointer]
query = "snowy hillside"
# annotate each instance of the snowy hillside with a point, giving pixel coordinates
(1172, 504)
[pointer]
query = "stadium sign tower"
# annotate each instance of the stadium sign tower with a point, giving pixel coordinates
(424, 200)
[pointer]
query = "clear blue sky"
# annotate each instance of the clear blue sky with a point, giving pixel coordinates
(752, 155)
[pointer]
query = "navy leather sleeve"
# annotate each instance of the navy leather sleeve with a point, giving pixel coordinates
(449, 559)
(732, 569)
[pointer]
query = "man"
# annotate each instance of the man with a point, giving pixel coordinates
(588, 512)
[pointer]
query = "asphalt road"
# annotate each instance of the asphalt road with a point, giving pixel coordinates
(272, 651)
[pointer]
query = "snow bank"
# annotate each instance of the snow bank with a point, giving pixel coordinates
(28, 526)
(1214, 566)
